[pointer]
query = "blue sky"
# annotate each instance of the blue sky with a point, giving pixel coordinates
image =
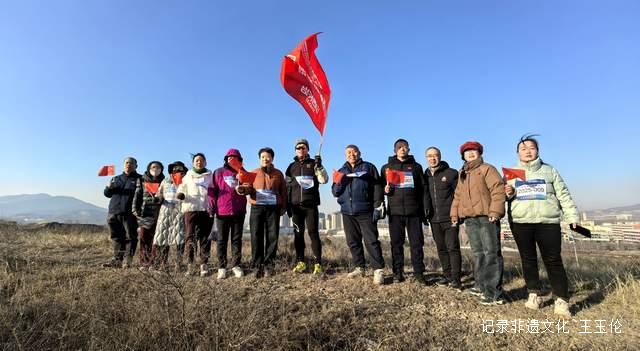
(86, 83)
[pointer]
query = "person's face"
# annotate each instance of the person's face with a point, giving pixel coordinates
(155, 169)
(402, 150)
(265, 159)
(470, 155)
(199, 162)
(527, 151)
(433, 158)
(301, 151)
(129, 166)
(352, 155)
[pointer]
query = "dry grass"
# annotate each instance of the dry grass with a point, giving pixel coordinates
(54, 296)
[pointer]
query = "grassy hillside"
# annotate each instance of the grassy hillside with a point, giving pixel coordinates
(53, 295)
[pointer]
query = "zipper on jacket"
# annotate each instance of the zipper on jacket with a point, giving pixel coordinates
(435, 197)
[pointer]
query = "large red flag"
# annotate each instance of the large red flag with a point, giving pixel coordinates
(512, 173)
(304, 79)
(108, 170)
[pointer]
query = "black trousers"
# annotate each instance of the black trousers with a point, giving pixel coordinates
(358, 228)
(309, 216)
(264, 221)
(548, 237)
(197, 226)
(124, 235)
(413, 227)
(230, 226)
(448, 245)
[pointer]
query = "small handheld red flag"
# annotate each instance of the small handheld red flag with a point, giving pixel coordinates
(177, 178)
(235, 164)
(337, 176)
(512, 173)
(245, 177)
(394, 177)
(109, 170)
(304, 79)
(151, 187)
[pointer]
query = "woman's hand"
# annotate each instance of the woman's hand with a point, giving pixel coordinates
(509, 190)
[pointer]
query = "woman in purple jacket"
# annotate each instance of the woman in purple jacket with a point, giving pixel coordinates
(230, 209)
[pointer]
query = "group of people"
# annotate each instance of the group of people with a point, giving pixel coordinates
(178, 211)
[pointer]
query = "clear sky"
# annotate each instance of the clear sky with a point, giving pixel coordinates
(86, 83)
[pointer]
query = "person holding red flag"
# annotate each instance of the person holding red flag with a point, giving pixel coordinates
(537, 206)
(121, 221)
(360, 195)
(479, 202)
(146, 207)
(268, 197)
(304, 176)
(230, 209)
(406, 210)
(170, 227)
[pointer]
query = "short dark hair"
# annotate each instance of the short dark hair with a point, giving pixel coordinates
(528, 137)
(193, 156)
(267, 150)
(395, 145)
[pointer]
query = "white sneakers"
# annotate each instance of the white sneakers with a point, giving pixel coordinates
(358, 272)
(533, 302)
(222, 273)
(561, 308)
(237, 272)
(378, 276)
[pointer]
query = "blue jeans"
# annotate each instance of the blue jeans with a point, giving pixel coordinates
(484, 238)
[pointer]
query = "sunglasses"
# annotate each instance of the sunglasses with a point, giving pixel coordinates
(300, 147)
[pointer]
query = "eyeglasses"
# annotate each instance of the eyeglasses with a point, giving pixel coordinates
(300, 147)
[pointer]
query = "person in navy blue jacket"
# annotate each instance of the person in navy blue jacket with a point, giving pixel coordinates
(359, 191)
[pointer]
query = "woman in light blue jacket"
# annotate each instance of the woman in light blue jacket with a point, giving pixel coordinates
(538, 203)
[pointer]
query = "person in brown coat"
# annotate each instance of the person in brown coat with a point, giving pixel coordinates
(479, 203)
(267, 195)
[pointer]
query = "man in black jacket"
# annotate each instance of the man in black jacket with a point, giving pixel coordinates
(121, 221)
(303, 177)
(404, 188)
(440, 183)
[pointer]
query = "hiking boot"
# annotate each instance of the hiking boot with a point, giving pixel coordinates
(533, 302)
(128, 262)
(561, 308)
(317, 269)
(222, 273)
(358, 272)
(114, 263)
(300, 267)
(419, 278)
(378, 276)
(203, 270)
(237, 272)
(455, 285)
(443, 281)
(491, 302)
(189, 271)
(398, 277)
(475, 292)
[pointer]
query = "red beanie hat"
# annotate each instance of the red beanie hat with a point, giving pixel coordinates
(471, 145)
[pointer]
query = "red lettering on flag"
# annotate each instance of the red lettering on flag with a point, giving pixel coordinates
(304, 79)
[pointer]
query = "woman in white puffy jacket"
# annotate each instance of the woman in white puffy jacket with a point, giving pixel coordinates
(170, 227)
(194, 195)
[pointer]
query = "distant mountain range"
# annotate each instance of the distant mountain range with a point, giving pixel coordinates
(37, 208)
(632, 210)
